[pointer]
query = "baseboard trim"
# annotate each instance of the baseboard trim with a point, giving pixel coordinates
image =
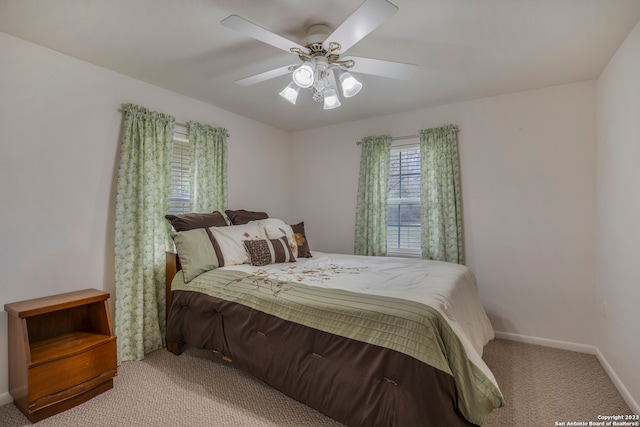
(545, 342)
(580, 348)
(5, 398)
(633, 405)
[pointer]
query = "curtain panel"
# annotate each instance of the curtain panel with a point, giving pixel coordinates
(371, 207)
(441, 212)
(141, 231)
(208, 167)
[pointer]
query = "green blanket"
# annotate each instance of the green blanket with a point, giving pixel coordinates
(409, 327)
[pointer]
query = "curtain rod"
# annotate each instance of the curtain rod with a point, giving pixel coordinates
(122, 110)
(184, 125)
(400, 138)
(397, 138)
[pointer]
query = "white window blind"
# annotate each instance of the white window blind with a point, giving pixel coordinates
(403, 215)
(180, 197)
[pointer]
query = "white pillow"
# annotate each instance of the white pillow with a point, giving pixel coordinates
(230, 239)
(275, 228)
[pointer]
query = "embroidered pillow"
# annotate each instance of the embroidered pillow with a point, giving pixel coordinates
(269, 251)
(301, 240)
(275, 228)
(230, 240)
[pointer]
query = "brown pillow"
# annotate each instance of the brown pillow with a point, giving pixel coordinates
(190, 221)
(301, 240)
(241, 216)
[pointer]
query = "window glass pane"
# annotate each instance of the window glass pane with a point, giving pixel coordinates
(404, 174)
(410, 160)
(394, 187)
(403, 214)
(410, 215)
(394, 164)
(393, 214)
(409, 237)
(409, 186)
(403, 226)
(399, 238)
(179, 198)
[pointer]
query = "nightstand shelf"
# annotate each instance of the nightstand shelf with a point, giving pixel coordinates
(62, 351)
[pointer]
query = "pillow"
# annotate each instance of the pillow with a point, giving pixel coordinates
(263, 252)
(241, 216)
(204, 249)
(301, 240)
(198, 252)
(275, 228)
(231, 240)
(190, 221)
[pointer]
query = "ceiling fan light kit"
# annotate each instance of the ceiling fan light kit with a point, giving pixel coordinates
(304, 76)
(290, 93)
(331, 100)
(321, 55)
(350, 85)
(314, 73)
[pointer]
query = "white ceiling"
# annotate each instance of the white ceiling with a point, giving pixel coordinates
(466, 49)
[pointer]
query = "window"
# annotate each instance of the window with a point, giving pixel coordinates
(403, 215)
(180, 197)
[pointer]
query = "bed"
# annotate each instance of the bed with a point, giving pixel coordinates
(368, 341)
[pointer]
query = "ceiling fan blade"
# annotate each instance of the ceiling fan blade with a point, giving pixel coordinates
(379, 67)
(255, 31)
(267, 75)
(366, 18)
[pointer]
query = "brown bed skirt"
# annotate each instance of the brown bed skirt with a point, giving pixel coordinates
(355, 383)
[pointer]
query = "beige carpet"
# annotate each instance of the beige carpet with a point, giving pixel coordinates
(541, 386)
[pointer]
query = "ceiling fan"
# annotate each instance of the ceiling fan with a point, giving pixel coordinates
(322, 53)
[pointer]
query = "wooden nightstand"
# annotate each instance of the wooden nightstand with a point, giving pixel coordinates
(62, 351)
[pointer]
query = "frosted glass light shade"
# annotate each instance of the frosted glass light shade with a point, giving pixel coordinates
(303, 75)
(350, 85)
(331, 99)
(290, 93)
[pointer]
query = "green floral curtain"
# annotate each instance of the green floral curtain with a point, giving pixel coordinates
(142, 233)
(208, 167)
(441, 213)
(371, 208)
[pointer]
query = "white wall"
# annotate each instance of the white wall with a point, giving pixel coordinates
(528, 184)
(618, 216)
(60, 126)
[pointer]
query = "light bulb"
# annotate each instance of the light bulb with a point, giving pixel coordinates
(303, 75)
(290, 93)
(331, 99)
(350, 86)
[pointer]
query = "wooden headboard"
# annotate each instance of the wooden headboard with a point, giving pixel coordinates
(173, 266)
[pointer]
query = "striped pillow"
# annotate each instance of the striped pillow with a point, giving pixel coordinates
(263, 252)
(204, 249)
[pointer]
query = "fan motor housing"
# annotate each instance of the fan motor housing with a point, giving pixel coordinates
(316, 34)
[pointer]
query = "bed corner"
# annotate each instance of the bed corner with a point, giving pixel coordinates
(172, 267)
